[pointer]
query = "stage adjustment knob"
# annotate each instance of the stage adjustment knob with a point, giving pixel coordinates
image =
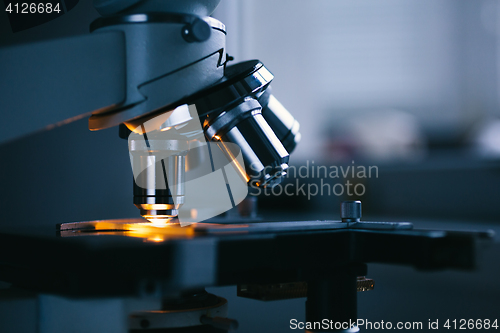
(350, 211)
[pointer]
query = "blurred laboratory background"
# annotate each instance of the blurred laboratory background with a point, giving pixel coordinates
(412, 87)
(409, 86)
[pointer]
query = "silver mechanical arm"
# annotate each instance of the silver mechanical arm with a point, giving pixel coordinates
(133, 63)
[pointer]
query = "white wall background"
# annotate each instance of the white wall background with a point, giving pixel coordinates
(435, 59)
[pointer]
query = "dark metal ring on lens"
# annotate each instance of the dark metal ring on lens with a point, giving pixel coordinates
(241, 80)
(229, 119)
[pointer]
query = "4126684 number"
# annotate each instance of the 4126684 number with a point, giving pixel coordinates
(33, 8)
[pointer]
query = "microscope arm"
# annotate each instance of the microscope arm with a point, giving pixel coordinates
(54, 82)
(128, 67)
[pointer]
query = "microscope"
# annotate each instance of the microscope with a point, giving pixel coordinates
(201, 132)
(159, 70)
(238, 116)
(166, 81)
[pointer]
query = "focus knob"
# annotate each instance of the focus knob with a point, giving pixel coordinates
(198, 31)
(350, 211)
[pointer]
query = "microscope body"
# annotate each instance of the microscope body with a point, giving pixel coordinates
(144, 63)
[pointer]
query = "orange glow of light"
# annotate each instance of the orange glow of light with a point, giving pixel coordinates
(134, 128)
(103, 225)
(158, 222)
(241, 170)
(159, 234)
(155, 239)
(234, 162)
(157, 207)
(138, 228)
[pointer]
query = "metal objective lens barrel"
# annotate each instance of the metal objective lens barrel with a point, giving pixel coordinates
(266, 160)
(159, 186)
(280, 120)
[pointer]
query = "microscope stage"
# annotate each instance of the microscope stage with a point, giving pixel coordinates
(147, 260)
